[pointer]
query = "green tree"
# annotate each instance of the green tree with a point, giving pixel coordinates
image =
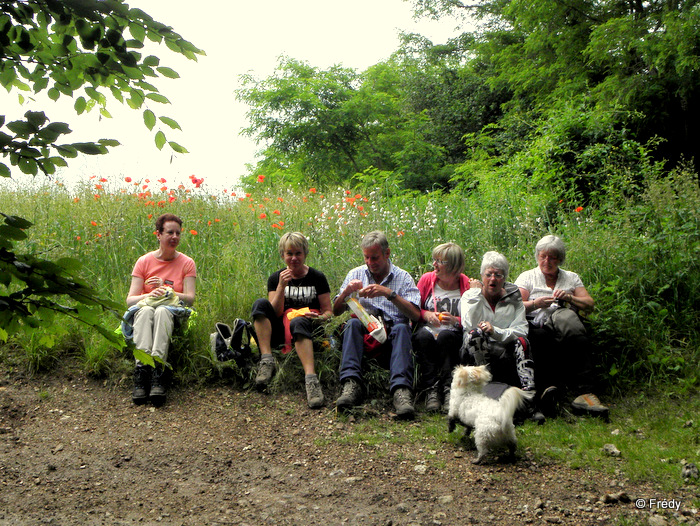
(89, 51)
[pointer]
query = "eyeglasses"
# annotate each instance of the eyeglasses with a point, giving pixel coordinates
(439, 262)
(545, 257)
(496, 275)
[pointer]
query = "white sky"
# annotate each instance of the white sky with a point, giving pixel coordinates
(239, 36)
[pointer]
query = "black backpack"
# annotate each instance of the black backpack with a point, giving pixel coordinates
(233, 343)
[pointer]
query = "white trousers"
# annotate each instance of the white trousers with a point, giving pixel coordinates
(153, 328)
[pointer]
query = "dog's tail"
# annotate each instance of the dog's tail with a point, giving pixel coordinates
(513, 399)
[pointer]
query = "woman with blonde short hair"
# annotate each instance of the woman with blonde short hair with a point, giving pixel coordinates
(298, 296)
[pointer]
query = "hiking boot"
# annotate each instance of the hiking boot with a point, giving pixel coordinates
(158, 386)
(403, 403)
(589, 404)
(350, 396)
(142, 384)
(314, 394)
(432, 400)
(549, 401)
(266, 370)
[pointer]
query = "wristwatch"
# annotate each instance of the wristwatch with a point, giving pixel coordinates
(392, 295)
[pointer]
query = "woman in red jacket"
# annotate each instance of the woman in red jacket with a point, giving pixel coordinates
(438, 335)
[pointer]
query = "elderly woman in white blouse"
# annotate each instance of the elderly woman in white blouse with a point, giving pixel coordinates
(553, 297)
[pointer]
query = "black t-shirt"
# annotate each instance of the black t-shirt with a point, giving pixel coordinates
(302, 292)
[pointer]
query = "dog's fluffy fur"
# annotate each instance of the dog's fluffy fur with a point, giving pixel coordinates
(491, 420)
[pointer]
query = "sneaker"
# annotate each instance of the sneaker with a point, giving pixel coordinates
(403, 403)
(432, 400)
(142, 384)
(158, 386)
(350, 395)
(314, 394)
(549, 401)
(589, 404)
(266, 370)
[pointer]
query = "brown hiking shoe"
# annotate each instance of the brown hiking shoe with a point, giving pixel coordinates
(432, 400)
(266, 370)
(350, 396)
(403, 403)
(314, 394)
(589, 404)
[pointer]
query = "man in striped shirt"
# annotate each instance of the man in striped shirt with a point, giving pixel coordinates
(388, 292)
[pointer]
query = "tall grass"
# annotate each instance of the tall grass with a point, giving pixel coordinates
(639, 261)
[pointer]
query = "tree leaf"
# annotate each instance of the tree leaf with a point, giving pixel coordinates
(168, 72)
(176, 147)
(160, 140)
(170, 122)
(149, 119)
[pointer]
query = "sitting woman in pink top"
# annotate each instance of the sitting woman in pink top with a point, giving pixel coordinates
(438, 335)
(162, 283)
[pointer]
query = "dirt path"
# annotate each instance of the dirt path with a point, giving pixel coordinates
(73, 451)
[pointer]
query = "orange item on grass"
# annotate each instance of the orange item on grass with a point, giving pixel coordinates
(294, 313)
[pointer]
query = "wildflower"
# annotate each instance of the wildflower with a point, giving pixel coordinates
(579, 209)
(171, 199)
(217, 220)
(360, 208)
(161, 180)
(261, 178)
(347, 192)
(193, 232)
(92, 177)
(277, 212)
(281, 223)
(399, 233)
(247, 194)
(161, 204)
(77, 238)
(312, 190)
(98, 187)
(163, 188)
(144, 187)
(103, 180)
(209, 223)
(127, 179)
(150, 216)
(99, 235)
(275, 225)
(76, 199)
(181, 186)
(358, 196)
(93, 223)
(97, 196)
(263, 216)
(280, 200)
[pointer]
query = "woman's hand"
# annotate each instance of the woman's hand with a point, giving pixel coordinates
(543, 302)
(153, 283)
(158, 292)
(431, 318)
(475, 283)
(285, 278)
(486, 327)
(447, 319)
(562, 295)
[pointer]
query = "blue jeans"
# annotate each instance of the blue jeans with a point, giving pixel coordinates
(398, 346)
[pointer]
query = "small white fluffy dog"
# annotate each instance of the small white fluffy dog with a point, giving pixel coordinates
(491, 420)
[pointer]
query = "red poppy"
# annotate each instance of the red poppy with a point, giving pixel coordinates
(579, 209)
(263, 216)
(193, 232)
(127, 179)
(261, 178)
(312, 190)
(93, 223)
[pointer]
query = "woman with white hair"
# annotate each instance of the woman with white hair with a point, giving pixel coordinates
(495, 329)
(438, 335)
(553, 297)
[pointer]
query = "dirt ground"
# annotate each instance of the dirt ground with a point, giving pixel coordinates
(74, 451)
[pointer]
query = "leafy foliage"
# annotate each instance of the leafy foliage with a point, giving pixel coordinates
(31, 283)
(88, 50)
